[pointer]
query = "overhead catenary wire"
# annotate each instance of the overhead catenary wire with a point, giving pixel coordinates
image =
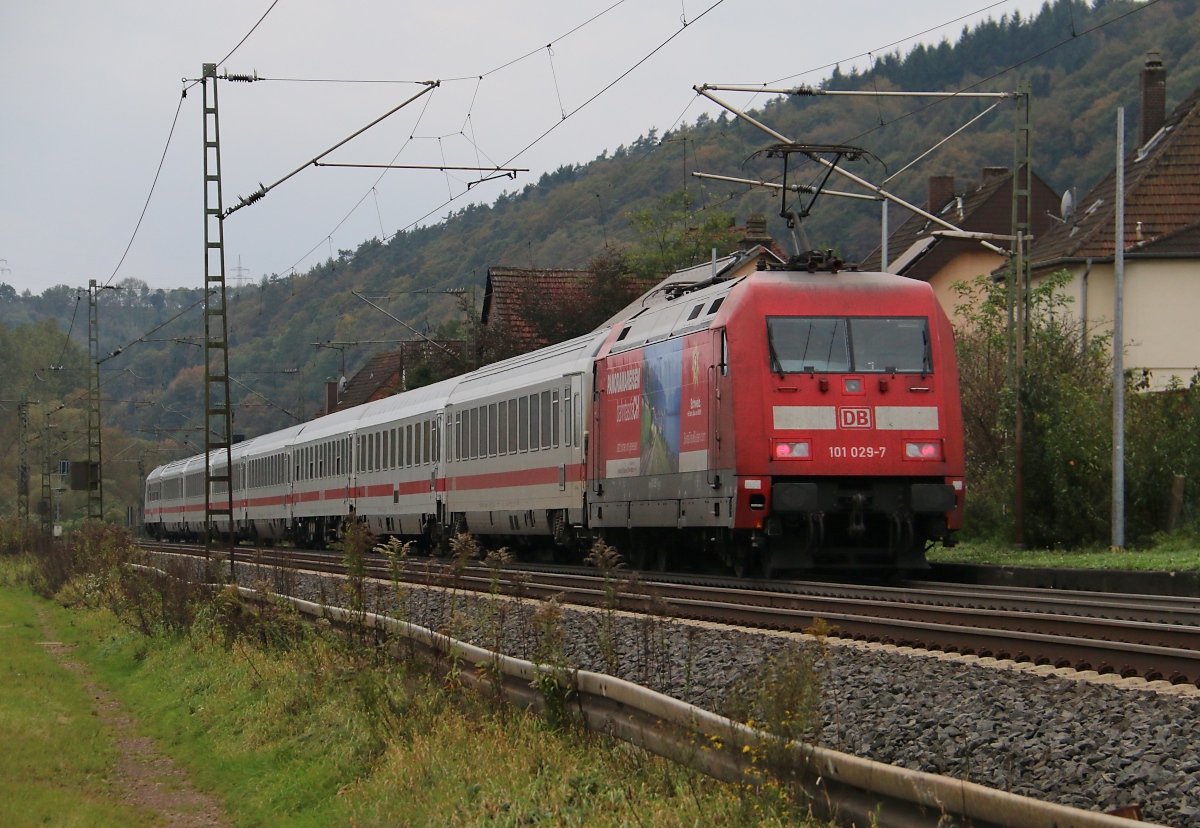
(263, 190)
(153, 330)
(274, 3)
(1141, 7)
(739, 194)
(267, 401)
(67, 341)
(149, 195)
(936, 146)
(480, 77)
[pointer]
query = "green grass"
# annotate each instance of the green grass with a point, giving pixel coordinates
(56, 755)
(1171, 554)
(313, 732)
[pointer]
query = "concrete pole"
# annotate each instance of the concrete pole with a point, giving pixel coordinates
(1118, 443)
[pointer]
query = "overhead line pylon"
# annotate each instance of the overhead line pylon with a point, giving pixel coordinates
(218, 413)
(95, 484)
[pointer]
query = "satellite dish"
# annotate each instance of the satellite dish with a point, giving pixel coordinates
(1067, 208)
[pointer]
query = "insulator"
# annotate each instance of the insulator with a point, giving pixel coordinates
(241, 77)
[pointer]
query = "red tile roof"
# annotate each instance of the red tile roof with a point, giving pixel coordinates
(382, 376)
(985, 208)
(1162, 193)
(379, 376)
(508, 288)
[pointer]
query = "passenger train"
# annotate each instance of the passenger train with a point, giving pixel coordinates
(772, 419)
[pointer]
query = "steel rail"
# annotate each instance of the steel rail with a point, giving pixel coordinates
(1151, 650)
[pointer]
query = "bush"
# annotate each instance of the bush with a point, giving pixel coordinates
(1067, 399)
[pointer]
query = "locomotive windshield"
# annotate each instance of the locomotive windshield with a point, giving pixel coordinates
(869, 344)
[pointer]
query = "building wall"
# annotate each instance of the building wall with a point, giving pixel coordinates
(1162, 330)
(965, 267)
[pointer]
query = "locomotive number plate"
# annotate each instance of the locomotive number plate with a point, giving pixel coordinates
(857, 452)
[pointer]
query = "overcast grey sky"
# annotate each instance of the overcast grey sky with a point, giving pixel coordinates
(88, 91)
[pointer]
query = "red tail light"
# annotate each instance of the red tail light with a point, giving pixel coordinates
(928, 450)
(799, 450)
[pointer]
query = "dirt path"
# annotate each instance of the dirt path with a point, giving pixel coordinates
(144, 776)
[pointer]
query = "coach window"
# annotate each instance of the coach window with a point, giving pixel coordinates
(502, 428)
(380, 450)
(493, 425)
(578, 419)
(546, 420)
(512, 426)
(320, 460)
(554, 419)
(312, 462)
(458, 437)
(535, 422)
(387, 447)
(567, 416)
(523, 423)
(475, 429)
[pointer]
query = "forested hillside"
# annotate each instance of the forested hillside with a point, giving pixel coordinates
(579, 212)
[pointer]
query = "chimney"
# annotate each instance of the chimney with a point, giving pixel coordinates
(992, 173)
(756, 232)
(1152, 102)
(331, 397)
(941, 191)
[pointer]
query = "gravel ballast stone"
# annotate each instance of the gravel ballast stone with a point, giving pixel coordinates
(1077, 739)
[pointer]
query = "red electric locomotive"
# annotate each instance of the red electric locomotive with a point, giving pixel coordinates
(772, 418)
(784, 420)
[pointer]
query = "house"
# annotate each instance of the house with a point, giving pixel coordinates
(508, 295)
(519, 303)
(386, 373)
(1161, 238)
(983, 207)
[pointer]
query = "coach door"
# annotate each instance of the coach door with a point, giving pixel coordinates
(345, 469)
(352, 468)
(718, 367)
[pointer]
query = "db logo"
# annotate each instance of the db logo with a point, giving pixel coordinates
(855, 417)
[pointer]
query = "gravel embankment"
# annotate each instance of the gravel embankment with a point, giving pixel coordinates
(1058, 737)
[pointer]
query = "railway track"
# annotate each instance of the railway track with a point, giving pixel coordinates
(1134, 635)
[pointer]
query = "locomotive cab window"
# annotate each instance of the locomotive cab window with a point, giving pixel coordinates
(800, 344)
(892, 345)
